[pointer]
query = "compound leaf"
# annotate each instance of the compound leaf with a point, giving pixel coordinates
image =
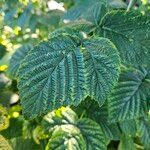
(64, 70)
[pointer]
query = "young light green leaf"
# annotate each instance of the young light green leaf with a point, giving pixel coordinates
(67, 131)
(4, 145)
(4, 120)
(126, 143)
(59, 117)
(62, 140)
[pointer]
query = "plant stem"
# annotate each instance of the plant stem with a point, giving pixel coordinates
(131, 3)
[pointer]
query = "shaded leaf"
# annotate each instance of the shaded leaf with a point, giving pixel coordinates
(2, 51)
(126, 143)
(130, 32)
(143, 128)
(16, 60)
(20, 143)
(129, 98)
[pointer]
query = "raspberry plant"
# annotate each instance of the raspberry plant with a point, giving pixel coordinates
(81, 75)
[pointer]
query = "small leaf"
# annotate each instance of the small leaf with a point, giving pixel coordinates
(16, 60)
(4, 120)
(20, 143)
(14, 129)
(80, 9)
(143, 127)
(95, 13)
(126, 143)
(128, 127)
(2, 50)
(4, 145)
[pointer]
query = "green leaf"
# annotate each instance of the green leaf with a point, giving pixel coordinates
(143, 127)
(82, 26)
(16, 60)
(128, 127)
(4, 120)
(102, 67)
(95, 13)
(20, 143)
(100, 115)
(64, 70)
(59, 117)
(52, 75)
(4, 145)
(4, 81)
(50, 18)
(24, 18)
(92, 134)
(67, 131)
(130, 32)
(62, 140)
(129, 98)
(80, 9)
(14, 129)
(126, 143)
(2, 50)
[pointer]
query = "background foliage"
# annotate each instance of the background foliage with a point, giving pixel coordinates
(74, 75)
